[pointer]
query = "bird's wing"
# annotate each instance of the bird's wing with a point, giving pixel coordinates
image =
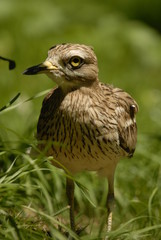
(125, 111)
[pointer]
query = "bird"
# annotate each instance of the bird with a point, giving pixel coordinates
(85, 124)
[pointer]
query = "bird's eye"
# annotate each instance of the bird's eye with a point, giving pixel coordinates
(76, 62)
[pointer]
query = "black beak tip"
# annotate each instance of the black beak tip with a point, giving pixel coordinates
(25, 72)
(32, 70)
(28, 71)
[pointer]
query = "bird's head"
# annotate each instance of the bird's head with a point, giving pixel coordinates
(69, 65)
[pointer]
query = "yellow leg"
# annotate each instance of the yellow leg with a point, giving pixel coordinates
(70, 196)
(110, 206)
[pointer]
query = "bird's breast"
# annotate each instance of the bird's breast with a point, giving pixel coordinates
(81, 134)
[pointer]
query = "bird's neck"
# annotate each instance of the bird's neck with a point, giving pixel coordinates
(70, 87)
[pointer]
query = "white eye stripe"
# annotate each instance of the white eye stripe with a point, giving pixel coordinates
(77, 53)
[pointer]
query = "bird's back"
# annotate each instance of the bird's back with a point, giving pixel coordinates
(88, 128)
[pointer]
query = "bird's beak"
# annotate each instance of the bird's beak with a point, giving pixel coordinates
(40, 68)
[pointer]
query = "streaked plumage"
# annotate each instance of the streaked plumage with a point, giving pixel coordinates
(90, 125)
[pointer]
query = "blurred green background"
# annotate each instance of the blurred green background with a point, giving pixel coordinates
(126, 36)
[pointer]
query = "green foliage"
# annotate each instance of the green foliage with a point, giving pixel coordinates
(32, 192)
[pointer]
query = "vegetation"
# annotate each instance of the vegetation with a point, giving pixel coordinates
(126, 38)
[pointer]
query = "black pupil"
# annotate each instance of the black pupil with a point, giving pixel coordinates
(76, 60)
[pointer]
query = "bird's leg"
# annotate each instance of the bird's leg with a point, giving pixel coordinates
(70, 196)
(110, 206)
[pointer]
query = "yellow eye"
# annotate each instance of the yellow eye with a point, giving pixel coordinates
(75, 61)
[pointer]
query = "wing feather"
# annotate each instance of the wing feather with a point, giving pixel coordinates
(127, 128)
